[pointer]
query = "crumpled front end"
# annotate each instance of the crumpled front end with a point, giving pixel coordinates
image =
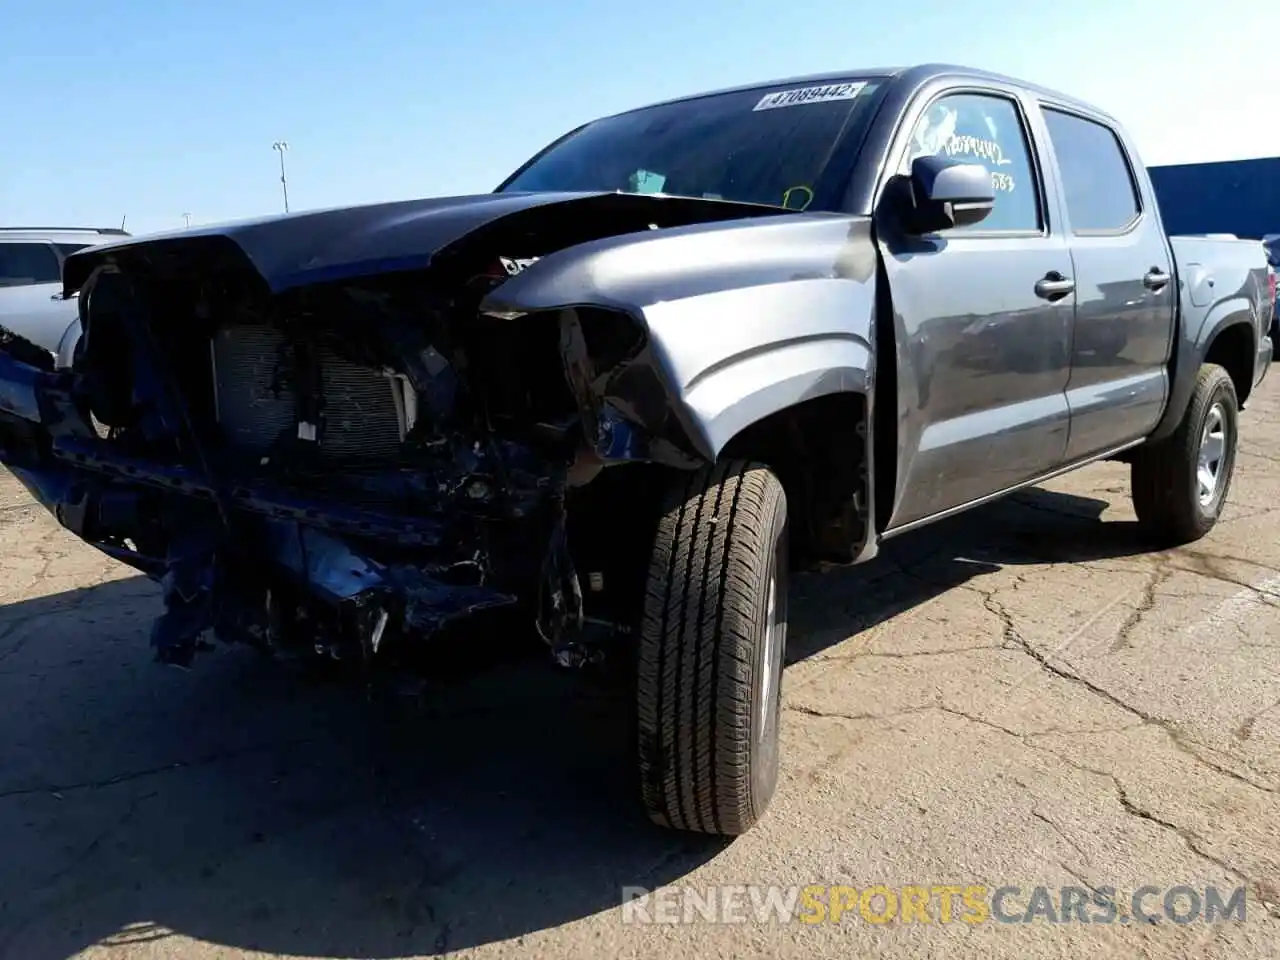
(342, 468)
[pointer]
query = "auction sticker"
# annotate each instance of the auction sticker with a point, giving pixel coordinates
(821, 94)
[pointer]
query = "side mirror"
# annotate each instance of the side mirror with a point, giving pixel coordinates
(948, 194)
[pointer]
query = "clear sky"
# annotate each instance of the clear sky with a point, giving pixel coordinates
(156, 108)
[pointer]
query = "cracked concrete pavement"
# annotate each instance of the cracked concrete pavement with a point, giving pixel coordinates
(1025, 695)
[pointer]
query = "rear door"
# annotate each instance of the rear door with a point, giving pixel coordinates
(1125, 294)
(982, 314)
(31, 303)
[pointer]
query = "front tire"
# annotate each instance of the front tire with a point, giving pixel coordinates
(1180, 484)
(711, 648)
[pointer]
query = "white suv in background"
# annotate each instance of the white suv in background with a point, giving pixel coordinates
(31, 301)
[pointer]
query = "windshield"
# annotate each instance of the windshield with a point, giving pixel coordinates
(767, 146)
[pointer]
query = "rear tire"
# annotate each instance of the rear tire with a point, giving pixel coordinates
(1180, 484)
(711, 649)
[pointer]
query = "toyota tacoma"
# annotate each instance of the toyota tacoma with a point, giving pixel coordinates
(678, 354)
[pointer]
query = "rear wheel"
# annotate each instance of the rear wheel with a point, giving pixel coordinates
(712, 641)
(1180, 484)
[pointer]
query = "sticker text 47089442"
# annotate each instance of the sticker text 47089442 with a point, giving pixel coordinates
(804, 95)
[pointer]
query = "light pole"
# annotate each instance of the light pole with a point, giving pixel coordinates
(280, 147)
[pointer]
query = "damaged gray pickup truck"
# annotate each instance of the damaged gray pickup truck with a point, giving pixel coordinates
(681, 352)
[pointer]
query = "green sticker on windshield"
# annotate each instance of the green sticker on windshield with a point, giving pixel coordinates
(797, 197)
(646, 181)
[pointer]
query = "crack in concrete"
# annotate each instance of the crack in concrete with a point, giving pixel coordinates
(1214, 558)
(943, 708)
(1035, 812)
(1014, 639)
(1158, 576)
(1235, 516)
(1079, 877)
(1270, 598)
(1180, 741)
(905, 655)
(856, 717)
(1193, 841)
(1259, 456)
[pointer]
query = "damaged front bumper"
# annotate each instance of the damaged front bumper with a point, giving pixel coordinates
(356, 560)
(259, 562)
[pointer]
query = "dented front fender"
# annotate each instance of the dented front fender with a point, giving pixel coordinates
(741, 319)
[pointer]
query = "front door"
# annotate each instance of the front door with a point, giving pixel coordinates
(983, 317)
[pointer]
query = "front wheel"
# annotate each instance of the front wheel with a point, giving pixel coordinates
(711, 650)
(1180, 484)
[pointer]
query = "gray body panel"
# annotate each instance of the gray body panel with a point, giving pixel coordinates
(1122, 342)
(1221, 285)
(744, 318)
(982, 368)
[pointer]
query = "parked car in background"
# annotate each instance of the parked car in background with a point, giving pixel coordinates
(32, 302)
(678, 354)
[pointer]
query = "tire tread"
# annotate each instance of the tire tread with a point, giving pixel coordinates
(1164, 511)
(696, 654)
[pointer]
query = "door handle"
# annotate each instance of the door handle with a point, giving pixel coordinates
(1155, 279)
(1054, 286)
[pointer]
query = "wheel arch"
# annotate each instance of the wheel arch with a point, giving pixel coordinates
(1203, 342)
(819, 449)
(1233, 346)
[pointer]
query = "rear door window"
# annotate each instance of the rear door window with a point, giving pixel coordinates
(26, 264)
(1096, 177)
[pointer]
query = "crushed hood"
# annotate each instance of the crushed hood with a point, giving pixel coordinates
(293, 250)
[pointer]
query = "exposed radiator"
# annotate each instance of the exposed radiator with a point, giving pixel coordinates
(364, 408)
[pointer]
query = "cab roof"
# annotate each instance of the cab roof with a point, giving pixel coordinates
(911, 76)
